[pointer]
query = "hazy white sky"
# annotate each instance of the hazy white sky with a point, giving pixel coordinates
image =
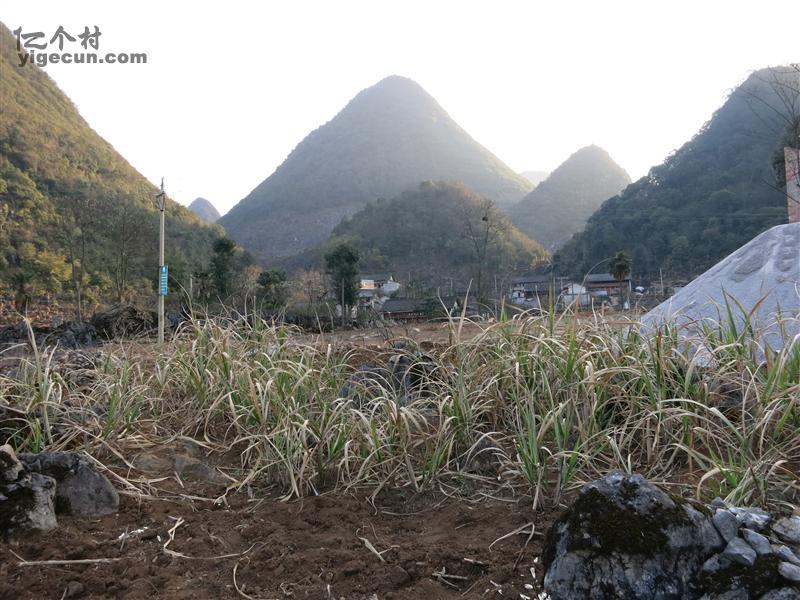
(231, 87)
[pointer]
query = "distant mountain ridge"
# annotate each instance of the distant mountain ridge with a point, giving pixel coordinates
(708, 198)
(562, 203)
(205, 210)
(389, 138)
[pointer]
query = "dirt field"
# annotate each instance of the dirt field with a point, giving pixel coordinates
(323, 547)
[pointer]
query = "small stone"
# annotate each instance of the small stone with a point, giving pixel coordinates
(758, 542)
(716, 563)
(74, 589)
(726, 523)
(719, 503)
(740, 551)
(752, 518)
(785, 553)
(788, 529)
(789, 571)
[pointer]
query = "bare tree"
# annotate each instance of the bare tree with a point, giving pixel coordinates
(483, 225)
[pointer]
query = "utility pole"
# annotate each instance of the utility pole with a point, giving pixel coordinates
(161, 200)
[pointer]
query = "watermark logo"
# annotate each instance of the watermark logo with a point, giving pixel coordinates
(33, 48)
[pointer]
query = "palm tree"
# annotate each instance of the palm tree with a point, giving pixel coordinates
(620, 268)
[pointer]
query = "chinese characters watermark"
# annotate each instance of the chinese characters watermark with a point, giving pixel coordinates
(34, 48)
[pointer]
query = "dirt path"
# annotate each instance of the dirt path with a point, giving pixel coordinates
(308, 549)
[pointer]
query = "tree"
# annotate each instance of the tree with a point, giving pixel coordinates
(20, 282)
(274, 288)
(482, 226)
(222, 265)
(309, 288)
(342, 264)
(620, 268)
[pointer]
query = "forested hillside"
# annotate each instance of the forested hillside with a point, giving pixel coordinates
(436, 232)
(562, 203)
(75, 217)
(710, 197)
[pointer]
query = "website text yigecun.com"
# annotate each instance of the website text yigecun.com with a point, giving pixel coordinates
(42, 59)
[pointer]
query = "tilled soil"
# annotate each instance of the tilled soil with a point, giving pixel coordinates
(431, 546)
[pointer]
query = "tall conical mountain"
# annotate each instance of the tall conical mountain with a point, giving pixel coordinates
(388, 138)
(71, 208)
(205, 210)
(561, 204)
(710, 197)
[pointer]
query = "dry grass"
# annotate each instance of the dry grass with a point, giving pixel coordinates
(530, 406)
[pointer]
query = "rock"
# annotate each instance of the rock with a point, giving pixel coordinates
(74, 589)
(740, 551)
(757, 542)
(626, 538)
(726, 523)
(785, 553)
(123, 321)
(782, 594)
(753, 518)
(718, 503)
(789, 571)
(715, 563)
(788, 529)
(27, 504)
(80, 490)
(10, 467)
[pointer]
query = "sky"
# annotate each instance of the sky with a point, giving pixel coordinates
(230, 88)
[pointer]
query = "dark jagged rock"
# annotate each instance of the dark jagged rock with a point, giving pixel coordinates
(81, 490)
(626, 538)
(26, 499)
(123, 321)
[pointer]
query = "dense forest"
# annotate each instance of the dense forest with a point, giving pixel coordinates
(562, 203)
(389, 137)
(438, 233)
(707, 199)
(75, 217)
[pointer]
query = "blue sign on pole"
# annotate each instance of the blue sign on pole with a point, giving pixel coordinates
(162, 288)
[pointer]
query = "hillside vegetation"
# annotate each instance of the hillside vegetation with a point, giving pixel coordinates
(436, 232)
(707, 199)
(562, 203)
(389, 137)
(73, 212)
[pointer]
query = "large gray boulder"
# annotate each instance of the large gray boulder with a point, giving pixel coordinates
(81, 490)
(626, 538)
(761, 276)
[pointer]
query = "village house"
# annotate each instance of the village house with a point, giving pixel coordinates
(532, 291)
(603, 286)
(374, 289)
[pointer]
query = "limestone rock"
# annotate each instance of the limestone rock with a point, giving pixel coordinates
(626, 538)
(740, 551)
(726, 523)
(27, 504)
(80, 489)
(788, 529)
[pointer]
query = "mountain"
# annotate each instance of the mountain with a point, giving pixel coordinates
(535, 177)
(73, 212)
(436, 233)
(561, 204)
(708, 198)
(205, 210)
(390, 137)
